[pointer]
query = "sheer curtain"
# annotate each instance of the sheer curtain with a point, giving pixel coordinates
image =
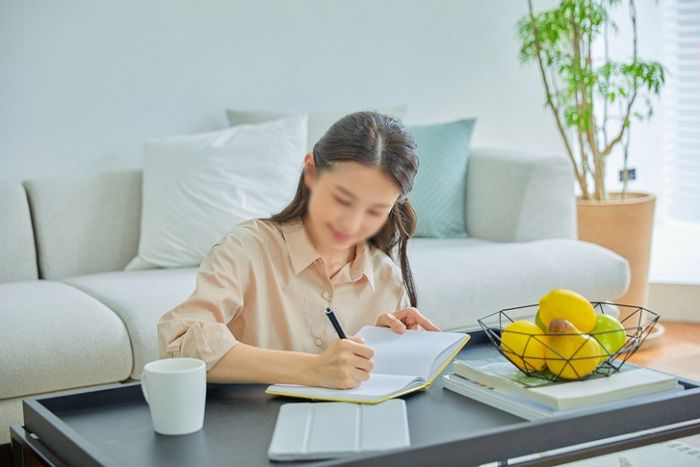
(682, 100)
(675, 258)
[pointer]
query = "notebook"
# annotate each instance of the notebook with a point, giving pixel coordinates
(403, 363)
(324, 430)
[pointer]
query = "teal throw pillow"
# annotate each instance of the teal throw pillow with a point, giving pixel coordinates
(439, 187)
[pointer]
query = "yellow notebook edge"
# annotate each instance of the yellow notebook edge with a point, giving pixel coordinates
(423, 386)
(341, 399)
(459, 348)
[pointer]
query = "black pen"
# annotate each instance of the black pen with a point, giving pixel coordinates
(335, 323)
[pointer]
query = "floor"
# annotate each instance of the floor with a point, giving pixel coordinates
(677, 352)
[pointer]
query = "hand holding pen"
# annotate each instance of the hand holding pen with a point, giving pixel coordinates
(346, 363)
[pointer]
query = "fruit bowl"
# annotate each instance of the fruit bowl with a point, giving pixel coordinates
(542, 354)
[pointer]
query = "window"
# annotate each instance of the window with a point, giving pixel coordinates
(682, 131)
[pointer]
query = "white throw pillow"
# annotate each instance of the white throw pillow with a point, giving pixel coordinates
(198, 187)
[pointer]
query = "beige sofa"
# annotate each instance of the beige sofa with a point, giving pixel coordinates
(71, 317)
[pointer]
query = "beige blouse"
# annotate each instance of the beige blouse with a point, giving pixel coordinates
(264, 284)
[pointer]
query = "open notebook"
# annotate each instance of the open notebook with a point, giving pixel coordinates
(403, 363)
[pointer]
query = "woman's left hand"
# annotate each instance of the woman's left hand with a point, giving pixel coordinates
(408, 318)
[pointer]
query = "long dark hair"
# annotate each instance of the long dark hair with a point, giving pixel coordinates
(377, 140)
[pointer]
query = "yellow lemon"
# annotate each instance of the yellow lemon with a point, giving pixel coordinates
(524, 344)
(570, 306)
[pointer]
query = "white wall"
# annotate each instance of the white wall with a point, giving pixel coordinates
(646, 149)
(83, 84)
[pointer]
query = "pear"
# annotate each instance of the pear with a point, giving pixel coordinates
(570, 353)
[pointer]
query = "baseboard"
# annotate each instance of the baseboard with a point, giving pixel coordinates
(675, 302)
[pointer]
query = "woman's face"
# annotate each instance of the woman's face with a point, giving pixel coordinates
(349, 203)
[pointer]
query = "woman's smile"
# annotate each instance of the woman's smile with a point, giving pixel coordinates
(339, 236)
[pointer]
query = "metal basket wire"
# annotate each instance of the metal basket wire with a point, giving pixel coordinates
(636, 327)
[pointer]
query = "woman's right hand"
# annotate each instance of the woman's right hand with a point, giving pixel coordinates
(345, 364)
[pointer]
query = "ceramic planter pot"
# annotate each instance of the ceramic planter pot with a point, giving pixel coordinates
(623, 224)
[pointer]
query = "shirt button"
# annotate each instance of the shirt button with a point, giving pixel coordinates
(318, 342)
(325, 295)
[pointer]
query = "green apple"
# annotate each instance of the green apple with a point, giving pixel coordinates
(609, 333)
(539, 322)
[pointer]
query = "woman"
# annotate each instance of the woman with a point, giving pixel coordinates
(257, 314)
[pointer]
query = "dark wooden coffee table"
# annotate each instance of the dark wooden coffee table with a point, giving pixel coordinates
(112, 426)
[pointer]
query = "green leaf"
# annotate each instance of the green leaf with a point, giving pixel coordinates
(555, 31)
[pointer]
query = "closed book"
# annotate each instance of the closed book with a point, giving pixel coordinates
(502, 375)
(403, 363)
(523, 406)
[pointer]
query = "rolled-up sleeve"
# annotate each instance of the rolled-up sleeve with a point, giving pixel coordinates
(404, 301)
(199, 327)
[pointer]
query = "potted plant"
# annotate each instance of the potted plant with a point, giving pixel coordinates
(593, 100)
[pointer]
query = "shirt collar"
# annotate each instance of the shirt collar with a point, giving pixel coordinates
(302, 253)
(362, 265)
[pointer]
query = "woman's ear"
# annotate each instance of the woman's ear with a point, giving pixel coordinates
(309, 171)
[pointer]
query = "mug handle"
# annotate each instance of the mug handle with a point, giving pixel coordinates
(143, 387)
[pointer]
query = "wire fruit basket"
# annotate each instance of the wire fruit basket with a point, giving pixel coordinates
(536, 354)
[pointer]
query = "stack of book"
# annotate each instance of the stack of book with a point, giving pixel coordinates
(496, 382)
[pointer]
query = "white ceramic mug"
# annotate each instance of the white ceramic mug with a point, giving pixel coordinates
(175, 390)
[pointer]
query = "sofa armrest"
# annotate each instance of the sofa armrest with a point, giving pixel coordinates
(517, 197)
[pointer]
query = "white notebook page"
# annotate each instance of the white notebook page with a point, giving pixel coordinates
(413, 353)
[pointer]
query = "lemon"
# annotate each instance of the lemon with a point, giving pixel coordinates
(524, 344)
(570, 306)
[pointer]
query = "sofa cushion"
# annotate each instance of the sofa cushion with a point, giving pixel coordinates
(438, 194)
(319, 122)
(461, 280)
(140, 298)
(55, 337)
(85, 224)
(518, 196)
(198, 187)
(17, 252)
